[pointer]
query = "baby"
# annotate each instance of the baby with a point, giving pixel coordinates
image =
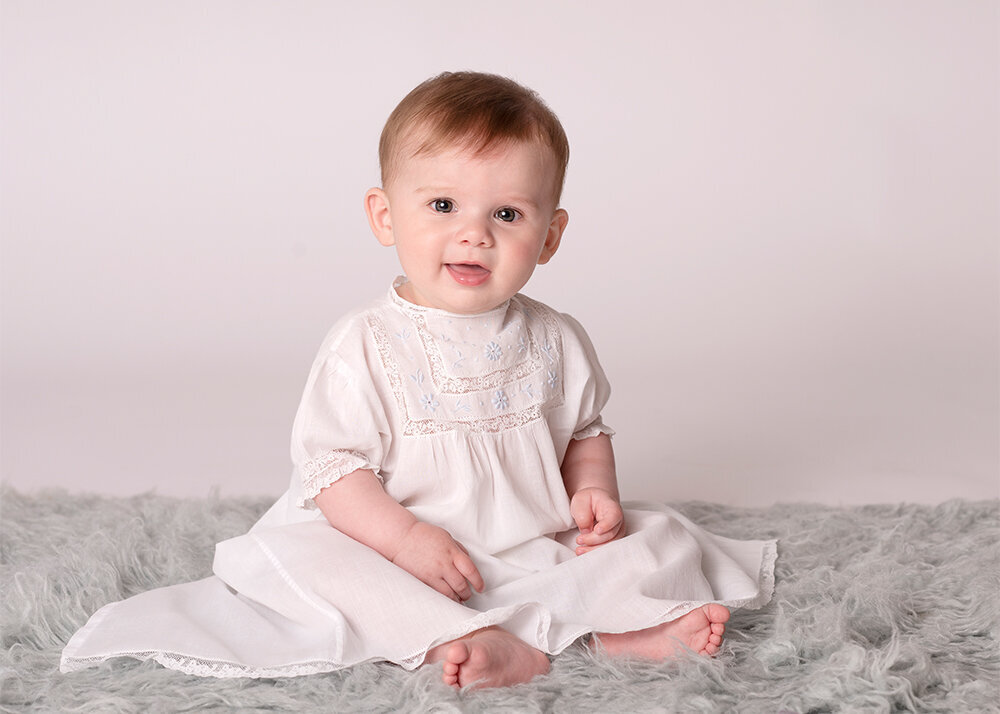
(451, 435)
(472, 173)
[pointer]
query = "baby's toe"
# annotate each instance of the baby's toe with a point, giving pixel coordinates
(449, 674)
(456, 655)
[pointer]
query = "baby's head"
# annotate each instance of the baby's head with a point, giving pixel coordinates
(472, 172)
(473, 111)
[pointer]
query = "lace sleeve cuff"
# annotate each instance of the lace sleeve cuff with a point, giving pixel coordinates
(593, 429)
(329, 468)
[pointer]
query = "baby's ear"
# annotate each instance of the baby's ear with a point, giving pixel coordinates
(554, 235)
(379, 218)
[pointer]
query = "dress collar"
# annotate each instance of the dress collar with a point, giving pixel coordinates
(432, 312)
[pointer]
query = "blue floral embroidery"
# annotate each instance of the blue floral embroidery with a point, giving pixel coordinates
(500, 400)
(547, 349)
(522, 346)
(418, 377)
(528, 390)
(403, 334)
(493, 351)
(429, 403)
(553, 378)
(461, 406)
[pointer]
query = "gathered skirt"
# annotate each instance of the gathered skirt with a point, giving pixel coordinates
(303, 598)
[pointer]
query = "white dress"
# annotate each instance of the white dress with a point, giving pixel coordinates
(465, 419)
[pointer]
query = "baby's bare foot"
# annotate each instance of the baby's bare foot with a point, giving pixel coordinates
(700, 630)
(488, 658)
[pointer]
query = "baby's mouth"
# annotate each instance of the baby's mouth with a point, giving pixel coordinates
(468, 273)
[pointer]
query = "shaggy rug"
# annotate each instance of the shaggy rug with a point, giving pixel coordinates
(876, 609)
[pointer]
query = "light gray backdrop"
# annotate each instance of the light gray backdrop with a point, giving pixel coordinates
(783, 234)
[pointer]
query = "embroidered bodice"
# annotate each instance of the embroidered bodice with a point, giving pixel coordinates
(452, 410)
(479, 373)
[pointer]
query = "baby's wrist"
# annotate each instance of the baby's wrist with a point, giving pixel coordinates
(602, 489)
(400, 538)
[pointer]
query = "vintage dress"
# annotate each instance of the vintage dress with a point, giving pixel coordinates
(465, 419)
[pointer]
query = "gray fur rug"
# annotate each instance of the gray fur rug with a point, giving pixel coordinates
(876, 609)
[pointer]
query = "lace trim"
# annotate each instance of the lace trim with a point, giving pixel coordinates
(324, 470)
(392, 372)
(502, 422)
(205, 667)
(595, 428)
(765, 578)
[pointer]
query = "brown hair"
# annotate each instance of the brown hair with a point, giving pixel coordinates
(479, 111)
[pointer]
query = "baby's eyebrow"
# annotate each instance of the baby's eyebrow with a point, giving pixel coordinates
(525, 201)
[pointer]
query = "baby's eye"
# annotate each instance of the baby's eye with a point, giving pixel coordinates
(507, 215)
(442, 205)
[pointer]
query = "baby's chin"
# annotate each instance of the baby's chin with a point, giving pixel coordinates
(472, 302)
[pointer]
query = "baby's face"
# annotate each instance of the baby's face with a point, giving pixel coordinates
(469, 229)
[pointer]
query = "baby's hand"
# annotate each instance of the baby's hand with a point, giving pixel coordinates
(432, 555)
(599, 517)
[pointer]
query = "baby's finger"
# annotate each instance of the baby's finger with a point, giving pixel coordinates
(582, 512)
(594, 538)
(445, 589)
(609, 517)
(468, 569)
(609, 524)
(458, 585)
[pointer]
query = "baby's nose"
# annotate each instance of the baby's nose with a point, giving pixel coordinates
(476, 233)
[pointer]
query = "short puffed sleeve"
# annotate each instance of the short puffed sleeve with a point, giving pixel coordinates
(586, 387)
(341, 425)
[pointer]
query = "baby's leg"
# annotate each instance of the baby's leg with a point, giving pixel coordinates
(700, 630)
(488, 658)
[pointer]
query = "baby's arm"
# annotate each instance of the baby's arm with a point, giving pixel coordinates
(588, 472)
(357, 506)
